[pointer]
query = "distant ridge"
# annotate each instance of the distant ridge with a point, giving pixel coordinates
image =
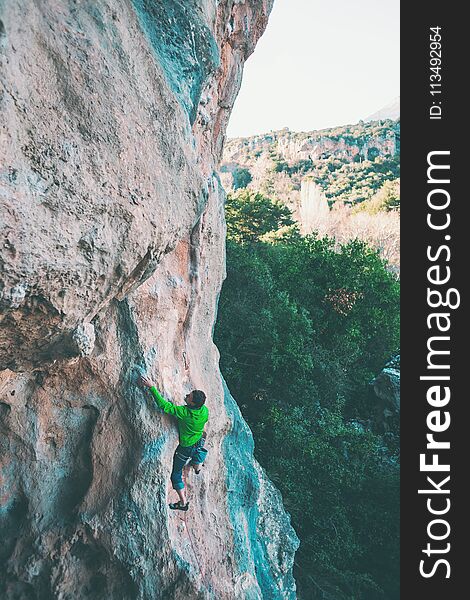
(390, 111)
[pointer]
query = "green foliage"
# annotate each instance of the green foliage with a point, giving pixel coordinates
(345, 177)
(358, 131)
(280, 166)
(251, 215)
(373, 153)
(301, 166)
(302, 329)
(385, 200)
(241, 178)
(354, 182)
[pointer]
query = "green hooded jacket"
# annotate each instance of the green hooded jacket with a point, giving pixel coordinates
(191, 421)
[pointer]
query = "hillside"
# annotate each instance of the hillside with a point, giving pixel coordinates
(349, 163)
(325, 176)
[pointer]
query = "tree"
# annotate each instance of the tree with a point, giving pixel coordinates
(302, 328)
(385, 200)
(251, 215)
(241, 178)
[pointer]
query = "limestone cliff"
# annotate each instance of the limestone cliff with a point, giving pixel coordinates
(386, 388)
(349, 163)
(113, 118)
(346, 142)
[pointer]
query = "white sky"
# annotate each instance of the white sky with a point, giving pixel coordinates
(320, 63)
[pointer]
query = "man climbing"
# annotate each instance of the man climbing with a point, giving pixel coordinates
(191, 421)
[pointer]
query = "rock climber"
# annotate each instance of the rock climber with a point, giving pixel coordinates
(191, 418)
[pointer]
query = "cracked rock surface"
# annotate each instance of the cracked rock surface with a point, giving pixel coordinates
(112, 121)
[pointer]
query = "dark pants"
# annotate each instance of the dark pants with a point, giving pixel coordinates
(194, 455)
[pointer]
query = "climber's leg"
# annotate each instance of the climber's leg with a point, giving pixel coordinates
(179, 506)
(198, 459)
(181, 495)
(180, 459)
(182, 503)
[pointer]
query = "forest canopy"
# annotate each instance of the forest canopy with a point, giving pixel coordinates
(303, 328)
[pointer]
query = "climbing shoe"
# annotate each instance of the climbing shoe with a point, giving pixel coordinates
(179, 506)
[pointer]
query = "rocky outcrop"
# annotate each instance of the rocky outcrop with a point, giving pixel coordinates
(386, 387)
(382, 140)
(113, 118)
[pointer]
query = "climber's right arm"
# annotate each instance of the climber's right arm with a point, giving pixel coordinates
(168, 407)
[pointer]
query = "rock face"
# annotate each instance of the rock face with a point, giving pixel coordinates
(387, 390)
(294, 146)
(113, 118)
